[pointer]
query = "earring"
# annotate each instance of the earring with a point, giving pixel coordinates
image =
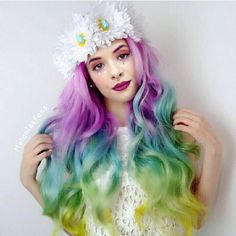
(90, 85)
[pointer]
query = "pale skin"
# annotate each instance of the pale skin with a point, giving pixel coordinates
(109, 66)
(118, 66)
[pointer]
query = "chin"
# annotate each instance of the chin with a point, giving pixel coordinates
(127, 98)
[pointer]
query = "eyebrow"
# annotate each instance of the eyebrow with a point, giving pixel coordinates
(97, 58)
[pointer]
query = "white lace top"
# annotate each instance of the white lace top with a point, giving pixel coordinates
(130, 196)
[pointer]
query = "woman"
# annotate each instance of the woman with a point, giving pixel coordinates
(113, 99)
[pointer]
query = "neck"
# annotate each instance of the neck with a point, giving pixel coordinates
(119, 110)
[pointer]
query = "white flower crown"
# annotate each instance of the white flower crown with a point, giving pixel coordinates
(103, 23)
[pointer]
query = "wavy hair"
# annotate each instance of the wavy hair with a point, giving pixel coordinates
(85, 151)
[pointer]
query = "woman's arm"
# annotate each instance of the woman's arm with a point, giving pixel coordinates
(38, 148)
(195, 124)
(206, 188)
(196, 162)
(33, 188)
(207, 177)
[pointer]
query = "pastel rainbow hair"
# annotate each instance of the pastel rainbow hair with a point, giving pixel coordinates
(84, 135)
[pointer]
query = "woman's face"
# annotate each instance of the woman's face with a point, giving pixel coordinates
(110, 66)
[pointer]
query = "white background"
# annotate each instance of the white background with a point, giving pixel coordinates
(196, 42)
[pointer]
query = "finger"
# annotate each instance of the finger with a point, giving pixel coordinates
(43, 155)
(41, 135)
(184, 109)
(41, 139)
(41, 147)
(185, 114)
(44, 137)
(185, 128)
(184, 121)
(35, 139)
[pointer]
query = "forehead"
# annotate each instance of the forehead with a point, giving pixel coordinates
(111, 48)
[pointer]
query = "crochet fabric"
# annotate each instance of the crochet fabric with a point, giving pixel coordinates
(130, 196)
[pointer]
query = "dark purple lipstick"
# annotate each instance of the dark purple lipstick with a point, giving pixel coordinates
(121, 86)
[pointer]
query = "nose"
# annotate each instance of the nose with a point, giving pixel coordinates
(117, 75)
(116, 72)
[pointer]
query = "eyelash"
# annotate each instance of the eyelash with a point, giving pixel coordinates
(127, 54)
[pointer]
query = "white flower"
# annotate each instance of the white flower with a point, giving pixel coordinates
(118, 24)
(70, 51)
(104, 23)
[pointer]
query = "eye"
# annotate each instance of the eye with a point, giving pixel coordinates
(97, 66)
(124, 55)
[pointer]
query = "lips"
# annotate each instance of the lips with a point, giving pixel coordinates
(121, 85)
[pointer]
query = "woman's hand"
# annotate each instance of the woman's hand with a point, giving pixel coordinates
(196, 125)
(39, 147)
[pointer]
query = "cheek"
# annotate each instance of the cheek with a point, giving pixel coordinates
(100, 81)
(130, 68)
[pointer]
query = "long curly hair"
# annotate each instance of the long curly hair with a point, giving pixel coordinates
(85, 148)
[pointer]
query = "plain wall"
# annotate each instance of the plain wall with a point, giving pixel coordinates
(196, 42)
